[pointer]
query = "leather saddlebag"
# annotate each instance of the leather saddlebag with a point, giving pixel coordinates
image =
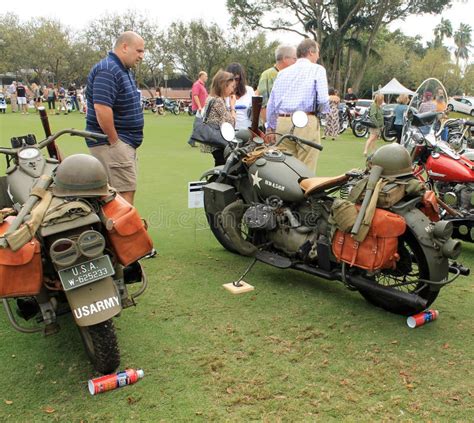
(21, 271)
(127, 232)
(379, 248)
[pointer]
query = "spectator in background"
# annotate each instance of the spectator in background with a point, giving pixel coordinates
(243, 97)
(72, 93)
(399, 111)
(11, 91)
(332, 118)
(37, 93)
(222, 88)
(376, 117)
(21, 98)
(198, 98)
(350, 98)
(302, 86)
(199, 93)
(284, 57)
(81, 99)
(114, 109)
(62, 99)
(51, 98)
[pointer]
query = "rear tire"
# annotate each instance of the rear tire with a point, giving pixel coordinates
(176, 110)
(359, 130)
(100, 343)
(411, 266)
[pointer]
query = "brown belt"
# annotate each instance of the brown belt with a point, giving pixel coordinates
(289, 114)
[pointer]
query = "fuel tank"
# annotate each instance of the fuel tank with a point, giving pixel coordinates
(444, 168)
(278, 174)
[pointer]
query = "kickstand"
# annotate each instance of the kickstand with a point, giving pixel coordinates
(240, 286)
(238, 283)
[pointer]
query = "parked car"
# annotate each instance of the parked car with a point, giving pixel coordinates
(461, 104)
(362, 105)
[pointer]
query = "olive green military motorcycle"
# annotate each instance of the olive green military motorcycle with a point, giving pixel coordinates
(369, 229)
(69, 245)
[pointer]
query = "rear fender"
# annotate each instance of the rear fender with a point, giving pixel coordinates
(214, 171)
(420, 227)
(94, 303)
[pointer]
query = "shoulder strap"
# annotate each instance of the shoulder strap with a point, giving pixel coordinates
(208, 110)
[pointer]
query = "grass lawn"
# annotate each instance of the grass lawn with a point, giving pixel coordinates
(298, 348)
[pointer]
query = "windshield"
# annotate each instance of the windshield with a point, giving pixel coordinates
(422, 119)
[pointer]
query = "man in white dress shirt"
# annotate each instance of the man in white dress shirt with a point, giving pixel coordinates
(302, 86)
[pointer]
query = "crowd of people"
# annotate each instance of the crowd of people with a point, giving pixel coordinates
(57, 98)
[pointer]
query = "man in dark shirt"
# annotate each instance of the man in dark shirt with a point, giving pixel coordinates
(350, 98)
(72, 93)
(21, 98)
(114, 108)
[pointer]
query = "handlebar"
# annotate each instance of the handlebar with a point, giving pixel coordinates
(301, 140)
(50, 139)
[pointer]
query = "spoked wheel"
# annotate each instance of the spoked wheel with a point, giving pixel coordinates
(100, 343)
(410, 269)
(176, 110)
(359, 130)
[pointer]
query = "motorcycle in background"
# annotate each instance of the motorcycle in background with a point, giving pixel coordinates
(448, 173)
(267, 204)
(69, 244)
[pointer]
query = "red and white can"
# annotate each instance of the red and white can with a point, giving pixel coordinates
(421, 318)
(115, 380)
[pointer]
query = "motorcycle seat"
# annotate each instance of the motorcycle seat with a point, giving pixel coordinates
(321, 183)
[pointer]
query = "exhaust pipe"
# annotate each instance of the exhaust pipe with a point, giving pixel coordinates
(412, 300)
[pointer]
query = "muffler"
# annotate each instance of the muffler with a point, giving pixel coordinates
(412, 300)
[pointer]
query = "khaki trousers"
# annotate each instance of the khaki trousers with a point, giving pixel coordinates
(308, 155)
(14, 103)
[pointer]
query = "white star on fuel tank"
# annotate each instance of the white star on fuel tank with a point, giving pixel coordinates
(256, 179)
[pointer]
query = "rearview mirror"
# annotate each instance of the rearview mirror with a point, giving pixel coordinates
(227, 131)
(299, 119)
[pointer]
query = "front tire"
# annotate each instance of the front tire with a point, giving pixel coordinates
(176, 110)
(386, 135)
(359, 130)
(411, 267)
(100, 343)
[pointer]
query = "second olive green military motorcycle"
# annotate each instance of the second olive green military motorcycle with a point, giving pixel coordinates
(369, 229)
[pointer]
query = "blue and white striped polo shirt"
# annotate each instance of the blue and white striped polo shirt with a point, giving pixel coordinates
(110, 83)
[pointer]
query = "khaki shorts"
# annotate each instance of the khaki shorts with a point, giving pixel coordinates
(374, 131)
(120, 162)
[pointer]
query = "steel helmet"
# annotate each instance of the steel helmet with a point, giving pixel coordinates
(80, 175)
(394, 159)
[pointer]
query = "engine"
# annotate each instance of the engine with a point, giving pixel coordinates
(294, 232)
(458, 196)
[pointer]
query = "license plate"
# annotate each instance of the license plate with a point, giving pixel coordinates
(84, 273)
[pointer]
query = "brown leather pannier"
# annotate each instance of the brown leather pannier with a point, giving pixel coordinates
(21, 271)
(379, 248)
(126, 231)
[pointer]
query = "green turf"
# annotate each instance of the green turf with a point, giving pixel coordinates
(298, 348)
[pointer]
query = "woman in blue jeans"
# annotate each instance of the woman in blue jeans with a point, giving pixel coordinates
(400, 110)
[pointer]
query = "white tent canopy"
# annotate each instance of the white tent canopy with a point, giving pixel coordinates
(394, 87)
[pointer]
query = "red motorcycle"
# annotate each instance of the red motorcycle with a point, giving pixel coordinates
(449, 174)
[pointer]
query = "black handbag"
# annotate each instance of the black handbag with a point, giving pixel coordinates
(208, 133)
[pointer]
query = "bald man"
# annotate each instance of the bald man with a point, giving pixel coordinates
(114, 109)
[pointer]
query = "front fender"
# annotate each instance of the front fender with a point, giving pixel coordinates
(94, 303)
(214, 171)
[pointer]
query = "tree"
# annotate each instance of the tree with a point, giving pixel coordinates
(442, 30)
(462, 39)
(334, 24)
(197, 46)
